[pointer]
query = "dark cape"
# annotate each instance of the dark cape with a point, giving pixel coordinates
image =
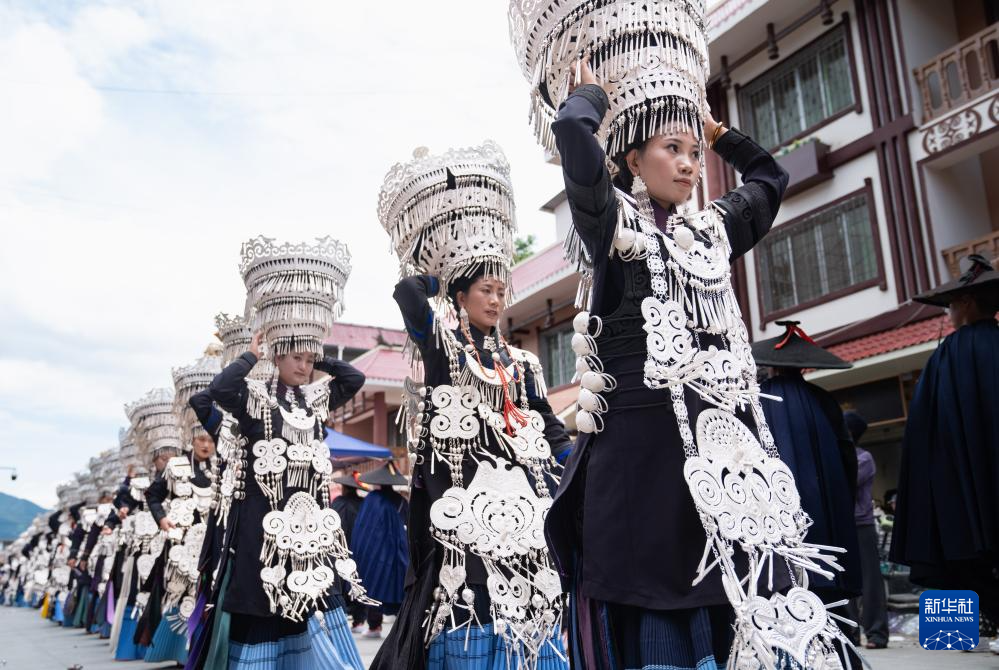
(623, 527)
(347, 505)
(947, 515)
(380, 548)
(811, 437)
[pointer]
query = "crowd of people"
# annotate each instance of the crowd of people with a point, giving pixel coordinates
(699, 518)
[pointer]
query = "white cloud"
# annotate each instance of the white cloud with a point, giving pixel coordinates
(168, 132)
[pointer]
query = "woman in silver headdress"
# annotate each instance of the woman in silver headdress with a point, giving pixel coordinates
(278, 600)
(481, 591)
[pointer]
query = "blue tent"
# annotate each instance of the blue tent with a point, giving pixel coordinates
(346, 450)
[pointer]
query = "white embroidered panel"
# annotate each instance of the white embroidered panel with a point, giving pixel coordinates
(455, 410)
(499, 515)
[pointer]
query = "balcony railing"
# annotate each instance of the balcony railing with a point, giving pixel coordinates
(960, 74)
(987, 246)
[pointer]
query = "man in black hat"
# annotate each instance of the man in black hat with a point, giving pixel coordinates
(947, 520)
(809, 433)
(380, 545)
(348, 505)
(873, 617)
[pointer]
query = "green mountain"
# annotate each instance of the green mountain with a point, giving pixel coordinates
(16, 514)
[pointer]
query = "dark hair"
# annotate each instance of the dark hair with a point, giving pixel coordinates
(462, 284)
(986, 300)
(624, 179)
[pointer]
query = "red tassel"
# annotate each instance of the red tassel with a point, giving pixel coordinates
(794, 330)
(511, 414)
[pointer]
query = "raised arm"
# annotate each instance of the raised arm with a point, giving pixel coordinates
(228, 389)
(208, 414)
(750, 209)
(155, 495)
(587, 183)
(346, 380)
(413, 294)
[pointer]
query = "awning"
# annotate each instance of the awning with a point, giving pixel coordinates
(346, 450)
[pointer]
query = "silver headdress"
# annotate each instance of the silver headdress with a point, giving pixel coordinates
(154, 424)
(236, 335)
(651, 57)
(294, 292)
(189, 380)
(449, 214)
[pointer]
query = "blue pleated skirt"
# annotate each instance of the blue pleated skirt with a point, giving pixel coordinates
(127, 649)
(266, 647)
(609, 636)
(479, 648)
(167, 644)
(57, 614)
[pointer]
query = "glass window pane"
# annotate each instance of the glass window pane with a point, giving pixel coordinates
(864, 263)
(811, 92)
(777, 278)
(835, 254)
(786, 107)
(836, 77)
(807, 277)
(558, 357)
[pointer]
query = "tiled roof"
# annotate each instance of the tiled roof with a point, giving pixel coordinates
(356, 336)
(543, 265)
(908, 335)
(383, 364)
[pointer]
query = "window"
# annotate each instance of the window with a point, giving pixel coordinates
(557, 356)
(826, 252)
(799, 94)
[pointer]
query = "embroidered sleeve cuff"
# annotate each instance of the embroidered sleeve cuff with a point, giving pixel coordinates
(596, 96)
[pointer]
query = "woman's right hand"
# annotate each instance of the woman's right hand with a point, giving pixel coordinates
(582, 75)
(255, 343)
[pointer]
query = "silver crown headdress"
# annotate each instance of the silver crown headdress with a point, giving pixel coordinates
(189, 380)
(449, 214)
(294, 292)
(236, 336)
(154, 424)
(651, 57)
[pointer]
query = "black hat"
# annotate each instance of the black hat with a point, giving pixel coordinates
(855, 424)
(795, 349)
(386, 475)
(350, 480)
(980, 276)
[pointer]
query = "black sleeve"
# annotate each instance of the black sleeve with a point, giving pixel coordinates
(228, 389)
(91, 542)
(750, 209)
(113, 521)
(208, 415)
(346, 380)
(588, 185)
(155, 495)
(75, 540)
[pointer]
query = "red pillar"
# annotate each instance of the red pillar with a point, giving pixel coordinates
(379, 431)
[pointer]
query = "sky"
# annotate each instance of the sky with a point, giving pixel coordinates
(142, 142)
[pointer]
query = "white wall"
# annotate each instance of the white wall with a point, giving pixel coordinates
(927, 28)
(958, 208)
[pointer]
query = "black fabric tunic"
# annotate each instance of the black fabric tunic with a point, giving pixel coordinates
(623, 527)
(245, 593)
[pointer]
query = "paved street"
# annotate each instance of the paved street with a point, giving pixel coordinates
(28, 643)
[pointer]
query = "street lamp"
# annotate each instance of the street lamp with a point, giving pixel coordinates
(13, 472)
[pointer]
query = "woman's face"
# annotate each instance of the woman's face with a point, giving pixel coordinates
(484, 302)
(204, 447)
(669, 164)
(295, 369)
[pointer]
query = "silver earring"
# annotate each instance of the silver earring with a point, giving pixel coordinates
(641, 193)
(463, 317)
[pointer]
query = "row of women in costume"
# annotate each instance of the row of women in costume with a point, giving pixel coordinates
(670, 535)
